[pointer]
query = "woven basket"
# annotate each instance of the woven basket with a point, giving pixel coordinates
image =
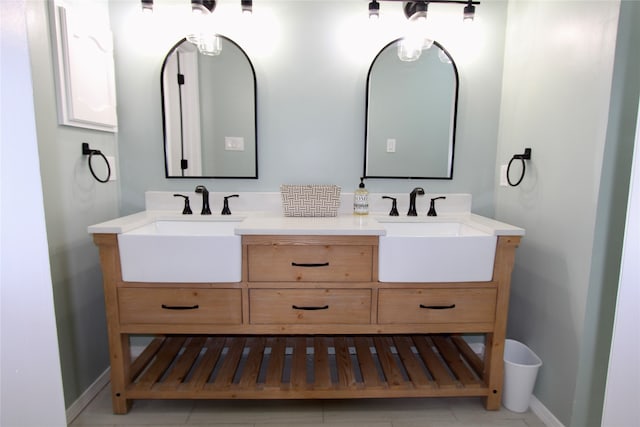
(310, 200)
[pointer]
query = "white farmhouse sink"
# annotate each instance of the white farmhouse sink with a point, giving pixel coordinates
(435, 252)
(181, 251)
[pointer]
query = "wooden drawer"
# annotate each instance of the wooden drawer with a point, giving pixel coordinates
(309, 306)
(436, 305)
(310, 263)
(171, 305)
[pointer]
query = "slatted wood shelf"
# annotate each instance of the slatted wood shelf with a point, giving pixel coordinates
(304, 367)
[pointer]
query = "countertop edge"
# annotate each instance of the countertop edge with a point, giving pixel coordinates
(261, 223)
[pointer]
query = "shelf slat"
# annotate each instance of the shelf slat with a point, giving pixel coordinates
(276, 363)
(161, 362)
(202, 372)
(434, 365)
(368, 368)
(322, 371)
(414, 369)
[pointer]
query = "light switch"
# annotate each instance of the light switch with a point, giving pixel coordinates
(391, 145)
(503, 176)
(234, 143)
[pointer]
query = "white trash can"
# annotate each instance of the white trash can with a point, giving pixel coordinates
(521, 366)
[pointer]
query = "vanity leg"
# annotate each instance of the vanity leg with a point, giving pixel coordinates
(493, 371)
(120, 374)
(494, 341)
(119, 346)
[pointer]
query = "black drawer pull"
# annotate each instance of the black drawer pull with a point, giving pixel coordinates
(180, 307)
(438, 307)
(320, 264)
(297, 307)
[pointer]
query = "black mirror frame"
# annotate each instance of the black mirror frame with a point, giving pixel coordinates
(455, 118)
(164, 126)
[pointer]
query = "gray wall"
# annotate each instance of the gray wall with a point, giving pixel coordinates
(558, 100)
(610, 220)
(73, 200)
(311, 61)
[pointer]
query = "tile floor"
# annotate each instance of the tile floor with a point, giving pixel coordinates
(433, 412)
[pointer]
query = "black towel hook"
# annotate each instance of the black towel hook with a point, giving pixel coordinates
(86, 151)
(522, 157)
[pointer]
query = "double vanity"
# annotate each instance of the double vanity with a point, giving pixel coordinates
(255, 305)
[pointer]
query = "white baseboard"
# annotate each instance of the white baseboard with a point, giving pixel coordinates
(544, 413)
(92, 391)
(89, 394)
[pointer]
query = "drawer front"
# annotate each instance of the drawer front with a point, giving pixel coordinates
(195, 306)
(310, 263)
(436, 305)
(309, 306)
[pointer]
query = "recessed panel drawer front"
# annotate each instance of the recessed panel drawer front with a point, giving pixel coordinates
(436, 305)
(180, 306)
(309, 306)
(310, 263)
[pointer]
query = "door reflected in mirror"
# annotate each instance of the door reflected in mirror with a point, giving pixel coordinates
(411, 115)
(209, 113)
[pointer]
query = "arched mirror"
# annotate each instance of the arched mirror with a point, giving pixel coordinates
(411, 115)
(209, 112)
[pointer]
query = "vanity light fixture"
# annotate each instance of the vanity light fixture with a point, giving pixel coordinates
(415, 40)
(469, 12)
(411, 46)
(203, 37)
(247, 7)
(418, 9)
(374, 10)
(147, 6)
(203, 7)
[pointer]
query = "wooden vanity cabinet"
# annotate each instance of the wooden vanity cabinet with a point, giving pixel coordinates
(308, 320)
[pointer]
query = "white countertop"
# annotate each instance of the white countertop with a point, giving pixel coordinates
(261, 223)
(163, 206)
(338, 225)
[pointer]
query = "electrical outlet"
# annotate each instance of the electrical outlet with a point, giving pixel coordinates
(391, 145)
(234, 143)
(112, 166)
(503, 176)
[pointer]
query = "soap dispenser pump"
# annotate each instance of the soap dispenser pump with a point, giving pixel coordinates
(361, 200)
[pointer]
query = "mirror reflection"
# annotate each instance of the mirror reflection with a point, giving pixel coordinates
(209, 112)
(411, 115)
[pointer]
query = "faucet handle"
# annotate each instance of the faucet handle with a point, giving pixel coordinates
(394, 206)
(187, 207)
(225, 207)
(432, 206)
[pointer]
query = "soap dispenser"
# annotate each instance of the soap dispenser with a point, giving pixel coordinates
(361, 199)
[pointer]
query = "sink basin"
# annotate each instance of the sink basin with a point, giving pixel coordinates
(435, 252)
(181, 251)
